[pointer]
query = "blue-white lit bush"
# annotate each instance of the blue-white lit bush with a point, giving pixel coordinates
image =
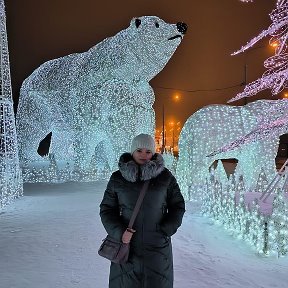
(232, 207)
(53, 172)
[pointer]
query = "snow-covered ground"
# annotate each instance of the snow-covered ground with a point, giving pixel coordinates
(49, 239)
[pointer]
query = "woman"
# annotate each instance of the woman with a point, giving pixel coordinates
(150, 261)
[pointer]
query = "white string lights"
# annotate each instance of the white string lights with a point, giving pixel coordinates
(225, 201)
(209, 129)
(10, 174)
(50, 171)
(229, 204)
(95, 102)
(271, 124)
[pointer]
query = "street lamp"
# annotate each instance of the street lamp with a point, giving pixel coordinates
(273, 44)
(163, 129)
(172, 130)
(285, 95)
(176, 98)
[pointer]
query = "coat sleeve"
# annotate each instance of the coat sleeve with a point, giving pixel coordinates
(176, 209)
(109, 212)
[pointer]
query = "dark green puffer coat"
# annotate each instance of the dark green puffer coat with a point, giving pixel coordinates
(150, 262)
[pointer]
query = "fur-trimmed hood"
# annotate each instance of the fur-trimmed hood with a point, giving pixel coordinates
(132, 172)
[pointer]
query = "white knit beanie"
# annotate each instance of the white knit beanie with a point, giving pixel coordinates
(143, 141)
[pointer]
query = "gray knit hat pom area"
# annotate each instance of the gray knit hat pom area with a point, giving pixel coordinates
(143, 141)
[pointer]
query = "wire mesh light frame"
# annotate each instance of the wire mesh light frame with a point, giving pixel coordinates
(11, 184)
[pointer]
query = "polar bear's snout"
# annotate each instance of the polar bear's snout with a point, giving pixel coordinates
(182, 27)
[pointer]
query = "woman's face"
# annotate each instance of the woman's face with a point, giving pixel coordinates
(142, 155)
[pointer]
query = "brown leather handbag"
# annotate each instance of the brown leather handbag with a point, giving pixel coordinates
(117, 251)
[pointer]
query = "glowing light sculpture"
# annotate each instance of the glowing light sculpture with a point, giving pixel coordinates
(212, 126)
(266, 232)
(262, 182)
(170, 161)
(220, 173)
(95, 102)
(271, 125)
(279, 225)
(11, 185)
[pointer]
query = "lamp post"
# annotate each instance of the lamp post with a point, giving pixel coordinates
(163, 129)
(172, 130)
(176, 98)
(245, 81)
(173, 138)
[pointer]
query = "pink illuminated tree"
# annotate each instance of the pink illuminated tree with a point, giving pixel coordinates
(274, 78)
(276, 75)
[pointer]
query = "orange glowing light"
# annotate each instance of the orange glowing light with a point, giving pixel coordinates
(176, 97)
(274, 44)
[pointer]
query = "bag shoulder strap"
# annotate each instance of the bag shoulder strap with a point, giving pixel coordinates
(138, 203)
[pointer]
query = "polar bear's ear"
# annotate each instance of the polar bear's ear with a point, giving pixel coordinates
(137, 22)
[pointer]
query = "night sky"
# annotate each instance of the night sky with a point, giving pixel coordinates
(42, 30)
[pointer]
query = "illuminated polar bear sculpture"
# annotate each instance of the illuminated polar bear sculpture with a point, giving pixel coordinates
(214, 126)
(97, 101)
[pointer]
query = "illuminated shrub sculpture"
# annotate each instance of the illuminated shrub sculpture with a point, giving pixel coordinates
(95, 102)
(264, 227)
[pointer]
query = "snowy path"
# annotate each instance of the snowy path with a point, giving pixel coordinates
(49, 239)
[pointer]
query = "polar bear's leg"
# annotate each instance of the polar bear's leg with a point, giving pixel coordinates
(33, 125)
(105, 150)
(111, 156)
(84, 149)
(60, 143)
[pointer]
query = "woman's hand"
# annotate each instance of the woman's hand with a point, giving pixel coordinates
(127, 235)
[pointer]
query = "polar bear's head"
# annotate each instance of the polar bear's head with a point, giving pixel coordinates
(154, 41)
